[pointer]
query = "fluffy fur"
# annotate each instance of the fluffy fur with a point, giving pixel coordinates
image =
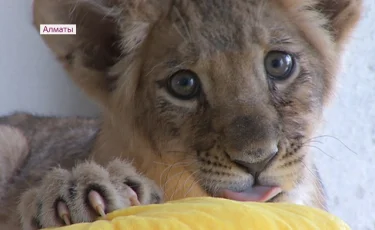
(163, 147)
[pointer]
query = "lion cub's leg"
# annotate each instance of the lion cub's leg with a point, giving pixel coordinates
(13, 150)
(83, 194)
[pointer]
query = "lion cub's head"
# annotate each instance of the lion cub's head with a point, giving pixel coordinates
(233, 89)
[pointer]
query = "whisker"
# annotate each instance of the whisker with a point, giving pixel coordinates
(186, 28)
(186, 180)
(308, 169)
(312, 146)
(312, 141)
(171, 177)
(190, 176)
(337, 139)
(191, 186)
(153, 68)
(166, 164)
(162, 174)
(177, 185)
(176, 151)
(181, 164)
(169, 168)
(315, 180)
(178, 31)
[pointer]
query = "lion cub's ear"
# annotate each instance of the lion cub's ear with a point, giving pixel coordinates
(106, 31)
(342, 17)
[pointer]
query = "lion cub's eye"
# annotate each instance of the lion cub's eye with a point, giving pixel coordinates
(183, 84)
(279, 65)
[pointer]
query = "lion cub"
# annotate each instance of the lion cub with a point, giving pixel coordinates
(199, 98)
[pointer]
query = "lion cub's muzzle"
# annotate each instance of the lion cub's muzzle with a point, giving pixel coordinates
(251, 142)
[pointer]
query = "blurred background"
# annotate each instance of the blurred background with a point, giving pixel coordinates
(32, 80)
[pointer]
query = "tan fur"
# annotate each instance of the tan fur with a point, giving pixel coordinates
(121, 56)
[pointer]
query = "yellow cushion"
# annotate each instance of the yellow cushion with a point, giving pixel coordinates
(215, 214)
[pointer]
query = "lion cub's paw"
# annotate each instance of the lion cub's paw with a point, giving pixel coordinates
(84, 194)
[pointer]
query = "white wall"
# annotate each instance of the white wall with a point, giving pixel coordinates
(350, 177)
(31, 80)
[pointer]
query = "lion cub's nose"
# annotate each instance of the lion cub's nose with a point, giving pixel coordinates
(251, 142)
(255, 168)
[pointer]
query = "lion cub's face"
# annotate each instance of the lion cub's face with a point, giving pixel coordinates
(232, 88)
(235, 91)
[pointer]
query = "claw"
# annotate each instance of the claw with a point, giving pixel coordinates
(66, 219)
(134, 201)
(97, 202)
(100, 210)
(133, 198)
(63, 212)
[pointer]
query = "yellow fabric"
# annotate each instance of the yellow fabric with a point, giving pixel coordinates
(215, 214)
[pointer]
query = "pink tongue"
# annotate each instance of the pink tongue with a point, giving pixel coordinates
(256, 194)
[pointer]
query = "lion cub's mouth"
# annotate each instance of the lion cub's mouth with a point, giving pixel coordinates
(256, 193)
